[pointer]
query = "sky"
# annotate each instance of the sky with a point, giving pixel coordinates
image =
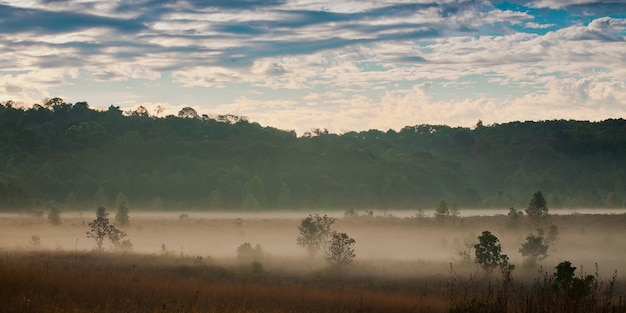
(347, 65)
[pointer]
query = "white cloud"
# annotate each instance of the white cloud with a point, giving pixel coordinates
(212, 76)
(537, 25)
(32, 86)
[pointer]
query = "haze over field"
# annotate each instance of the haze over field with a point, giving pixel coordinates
(340, 65)
(421, 247)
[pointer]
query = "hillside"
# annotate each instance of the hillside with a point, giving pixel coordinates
(79, 158)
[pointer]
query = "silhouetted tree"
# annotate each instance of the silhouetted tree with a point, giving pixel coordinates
(315, 231)
(574, 288)
(188, 112)
(340, 251)
(537, 208)
(488, 251)
(442, 211)
(100, 228)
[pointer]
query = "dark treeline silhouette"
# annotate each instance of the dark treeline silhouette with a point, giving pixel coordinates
(82, 158)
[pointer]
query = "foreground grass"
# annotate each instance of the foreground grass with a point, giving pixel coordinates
(58, 282)
(119, 282)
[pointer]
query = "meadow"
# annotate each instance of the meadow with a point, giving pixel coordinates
(187, 262)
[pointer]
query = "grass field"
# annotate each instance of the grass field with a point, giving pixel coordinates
(402, 265)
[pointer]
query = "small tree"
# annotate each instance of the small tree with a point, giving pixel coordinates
(340, 251)
(122, 214)
(442, 211)
(246, 253)
(533, 249)
(54, 215)
(100, 228)
(488, 252)
(315, 231)
(537, 208)
(515, 215)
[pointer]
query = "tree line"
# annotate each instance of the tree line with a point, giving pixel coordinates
(78, 157)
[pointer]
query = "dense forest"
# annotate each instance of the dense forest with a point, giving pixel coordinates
(75, 157)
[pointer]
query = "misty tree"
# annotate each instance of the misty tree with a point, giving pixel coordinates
(122, 210)
(442, 211)
(246, 253)
(515, 215)
(315, 231)
(100, 228)
(550, 236)
(533, 249)
(340, 251)
(488, 252)
(54, 215)
(122, 214)
(537, 208)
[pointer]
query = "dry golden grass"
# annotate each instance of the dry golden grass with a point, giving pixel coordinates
(61, 282)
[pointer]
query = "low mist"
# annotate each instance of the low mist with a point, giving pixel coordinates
(414, 246)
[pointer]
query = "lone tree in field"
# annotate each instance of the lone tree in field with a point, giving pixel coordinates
(533, 250)
(100, 228)
(340, 251)
(315, 232)
(489, 252)
(537, 208)
(122, 213)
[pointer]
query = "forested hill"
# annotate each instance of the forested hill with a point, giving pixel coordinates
(81, 158)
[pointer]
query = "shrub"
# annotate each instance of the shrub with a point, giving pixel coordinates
(341, 250)
(245, 252)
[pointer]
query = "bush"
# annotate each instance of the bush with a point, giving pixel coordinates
(341, 250)
(245, 253)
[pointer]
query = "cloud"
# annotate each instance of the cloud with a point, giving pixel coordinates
(537, 25)
(17, 20)
(330, 64)
(32, 86)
